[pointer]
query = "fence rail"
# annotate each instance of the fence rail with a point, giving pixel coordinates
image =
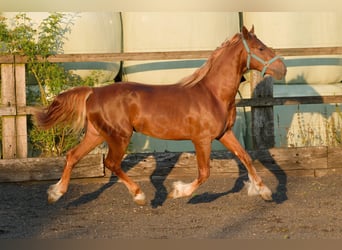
(14, 110)
(168, 55)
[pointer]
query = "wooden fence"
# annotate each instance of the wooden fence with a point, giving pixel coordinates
(306, 161)
(14, 110)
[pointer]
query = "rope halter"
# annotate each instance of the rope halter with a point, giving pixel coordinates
(262, 61)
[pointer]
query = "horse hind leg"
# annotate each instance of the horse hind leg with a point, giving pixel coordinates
(181, 189)
(113, 162)
(89, 142)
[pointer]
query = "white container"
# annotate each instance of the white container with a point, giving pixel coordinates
(302, 30)
(174, 31)
(91, 32)
(96, 32)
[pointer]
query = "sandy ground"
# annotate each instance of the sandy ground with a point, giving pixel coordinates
(303, 208)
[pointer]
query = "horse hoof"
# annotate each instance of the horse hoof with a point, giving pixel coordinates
(263, 191)
(140, 199)
(53, 194)
(251, 188)
(180, 189)
(171, 195)
(266, 193)
(176, 191)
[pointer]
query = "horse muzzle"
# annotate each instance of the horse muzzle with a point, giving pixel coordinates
(277, 69)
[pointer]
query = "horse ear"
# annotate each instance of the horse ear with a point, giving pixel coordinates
(245, 32)
(252, 29)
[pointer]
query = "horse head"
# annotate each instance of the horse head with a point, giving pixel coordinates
(260, 57)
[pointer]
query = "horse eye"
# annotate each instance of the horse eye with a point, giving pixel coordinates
(261, 48)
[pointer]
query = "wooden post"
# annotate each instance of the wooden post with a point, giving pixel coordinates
(21, 120)
(262, 117)
(14, 128)
(9, 142)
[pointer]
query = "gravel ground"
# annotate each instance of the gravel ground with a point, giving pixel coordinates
(303, 208)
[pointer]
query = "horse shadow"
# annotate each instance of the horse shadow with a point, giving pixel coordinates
(85, 198)
(266, 159)
(165, 165)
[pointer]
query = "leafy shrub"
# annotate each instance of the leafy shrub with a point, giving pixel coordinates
(19, 36)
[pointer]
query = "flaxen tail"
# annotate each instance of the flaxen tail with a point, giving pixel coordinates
(68, 108)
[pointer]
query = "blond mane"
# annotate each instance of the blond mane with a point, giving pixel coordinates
(201, 72)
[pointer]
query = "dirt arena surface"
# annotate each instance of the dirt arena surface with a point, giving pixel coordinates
(303, 208)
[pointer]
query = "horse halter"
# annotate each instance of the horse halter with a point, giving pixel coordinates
(265, 63)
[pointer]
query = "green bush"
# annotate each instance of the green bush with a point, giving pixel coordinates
(19, 36)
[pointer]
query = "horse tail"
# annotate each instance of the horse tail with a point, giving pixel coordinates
(68, 108)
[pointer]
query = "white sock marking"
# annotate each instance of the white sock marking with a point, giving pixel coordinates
(181, 189)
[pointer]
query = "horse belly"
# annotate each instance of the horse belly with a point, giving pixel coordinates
(163, 127)
(166, 125)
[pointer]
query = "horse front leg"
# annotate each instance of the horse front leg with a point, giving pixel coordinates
(256, 186)
(181, 189)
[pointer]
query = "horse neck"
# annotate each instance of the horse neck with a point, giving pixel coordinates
(223, 79)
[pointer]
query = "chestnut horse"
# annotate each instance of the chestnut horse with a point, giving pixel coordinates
(200, 108)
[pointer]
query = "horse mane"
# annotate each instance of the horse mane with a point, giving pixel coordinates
(201, 72)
